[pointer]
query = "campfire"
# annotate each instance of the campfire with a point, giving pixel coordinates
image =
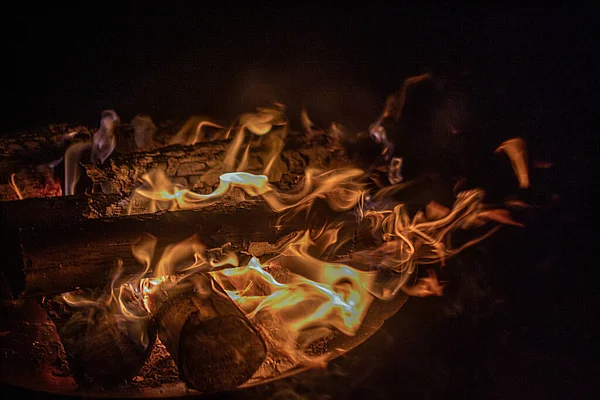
(177, 258)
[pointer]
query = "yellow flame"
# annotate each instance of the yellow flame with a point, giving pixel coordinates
(299, 303)
(306, 284)
(338, 187)
(192, 131)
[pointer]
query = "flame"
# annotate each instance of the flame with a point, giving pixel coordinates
(395, 171)
(118, 310)
(259, 123)
(192, 131)
(104, 140)
(516, 150)
(72, 168)
(393, 110)
(14, 186)
(311, 282)
(300, 290)
(339, 188)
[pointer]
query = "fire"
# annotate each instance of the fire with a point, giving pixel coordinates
(339, 188)
(516, 151)
(314, 281)
(14, 186)
(299, 289)
(192, 131)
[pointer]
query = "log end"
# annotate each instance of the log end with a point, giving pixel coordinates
(219, 354)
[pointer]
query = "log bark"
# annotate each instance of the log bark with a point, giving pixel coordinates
(35, 161)
(213, 344)
(198, 166)
(58, 258)
(35, 157)
(29, 156)
(41, 214)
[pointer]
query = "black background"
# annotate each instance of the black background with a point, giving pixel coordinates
(530, 335)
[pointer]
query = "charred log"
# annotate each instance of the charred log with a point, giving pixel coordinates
(199, 166)
(28, 160)
(215, 347)
(58, 258)
(42, 213)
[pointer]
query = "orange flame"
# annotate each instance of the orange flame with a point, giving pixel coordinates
(14, 186)
(192, 131)
(338, 187)
(516, 150)
(309, 283)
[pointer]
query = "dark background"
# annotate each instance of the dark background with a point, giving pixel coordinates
(518, 321)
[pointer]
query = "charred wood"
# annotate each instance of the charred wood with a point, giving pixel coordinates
(57, 258)
(199, 166)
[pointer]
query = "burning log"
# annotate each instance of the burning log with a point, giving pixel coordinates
(33, 162)
(199, 166)
(42, 213)
(57, 258)
(215, 347)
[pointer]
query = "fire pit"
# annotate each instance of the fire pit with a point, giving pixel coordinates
(200, 258)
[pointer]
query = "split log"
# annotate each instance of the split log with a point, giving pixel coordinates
(213, 344)
(61, 258)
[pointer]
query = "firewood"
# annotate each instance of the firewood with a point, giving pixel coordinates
(57, 258)
(27, 159)
(199, 166)
(213, 344)
(103, 346)
(42, 213)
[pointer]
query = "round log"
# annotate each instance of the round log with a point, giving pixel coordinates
(213, 344)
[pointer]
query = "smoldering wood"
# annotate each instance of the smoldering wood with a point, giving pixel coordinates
(213, 344)
(41, 144)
